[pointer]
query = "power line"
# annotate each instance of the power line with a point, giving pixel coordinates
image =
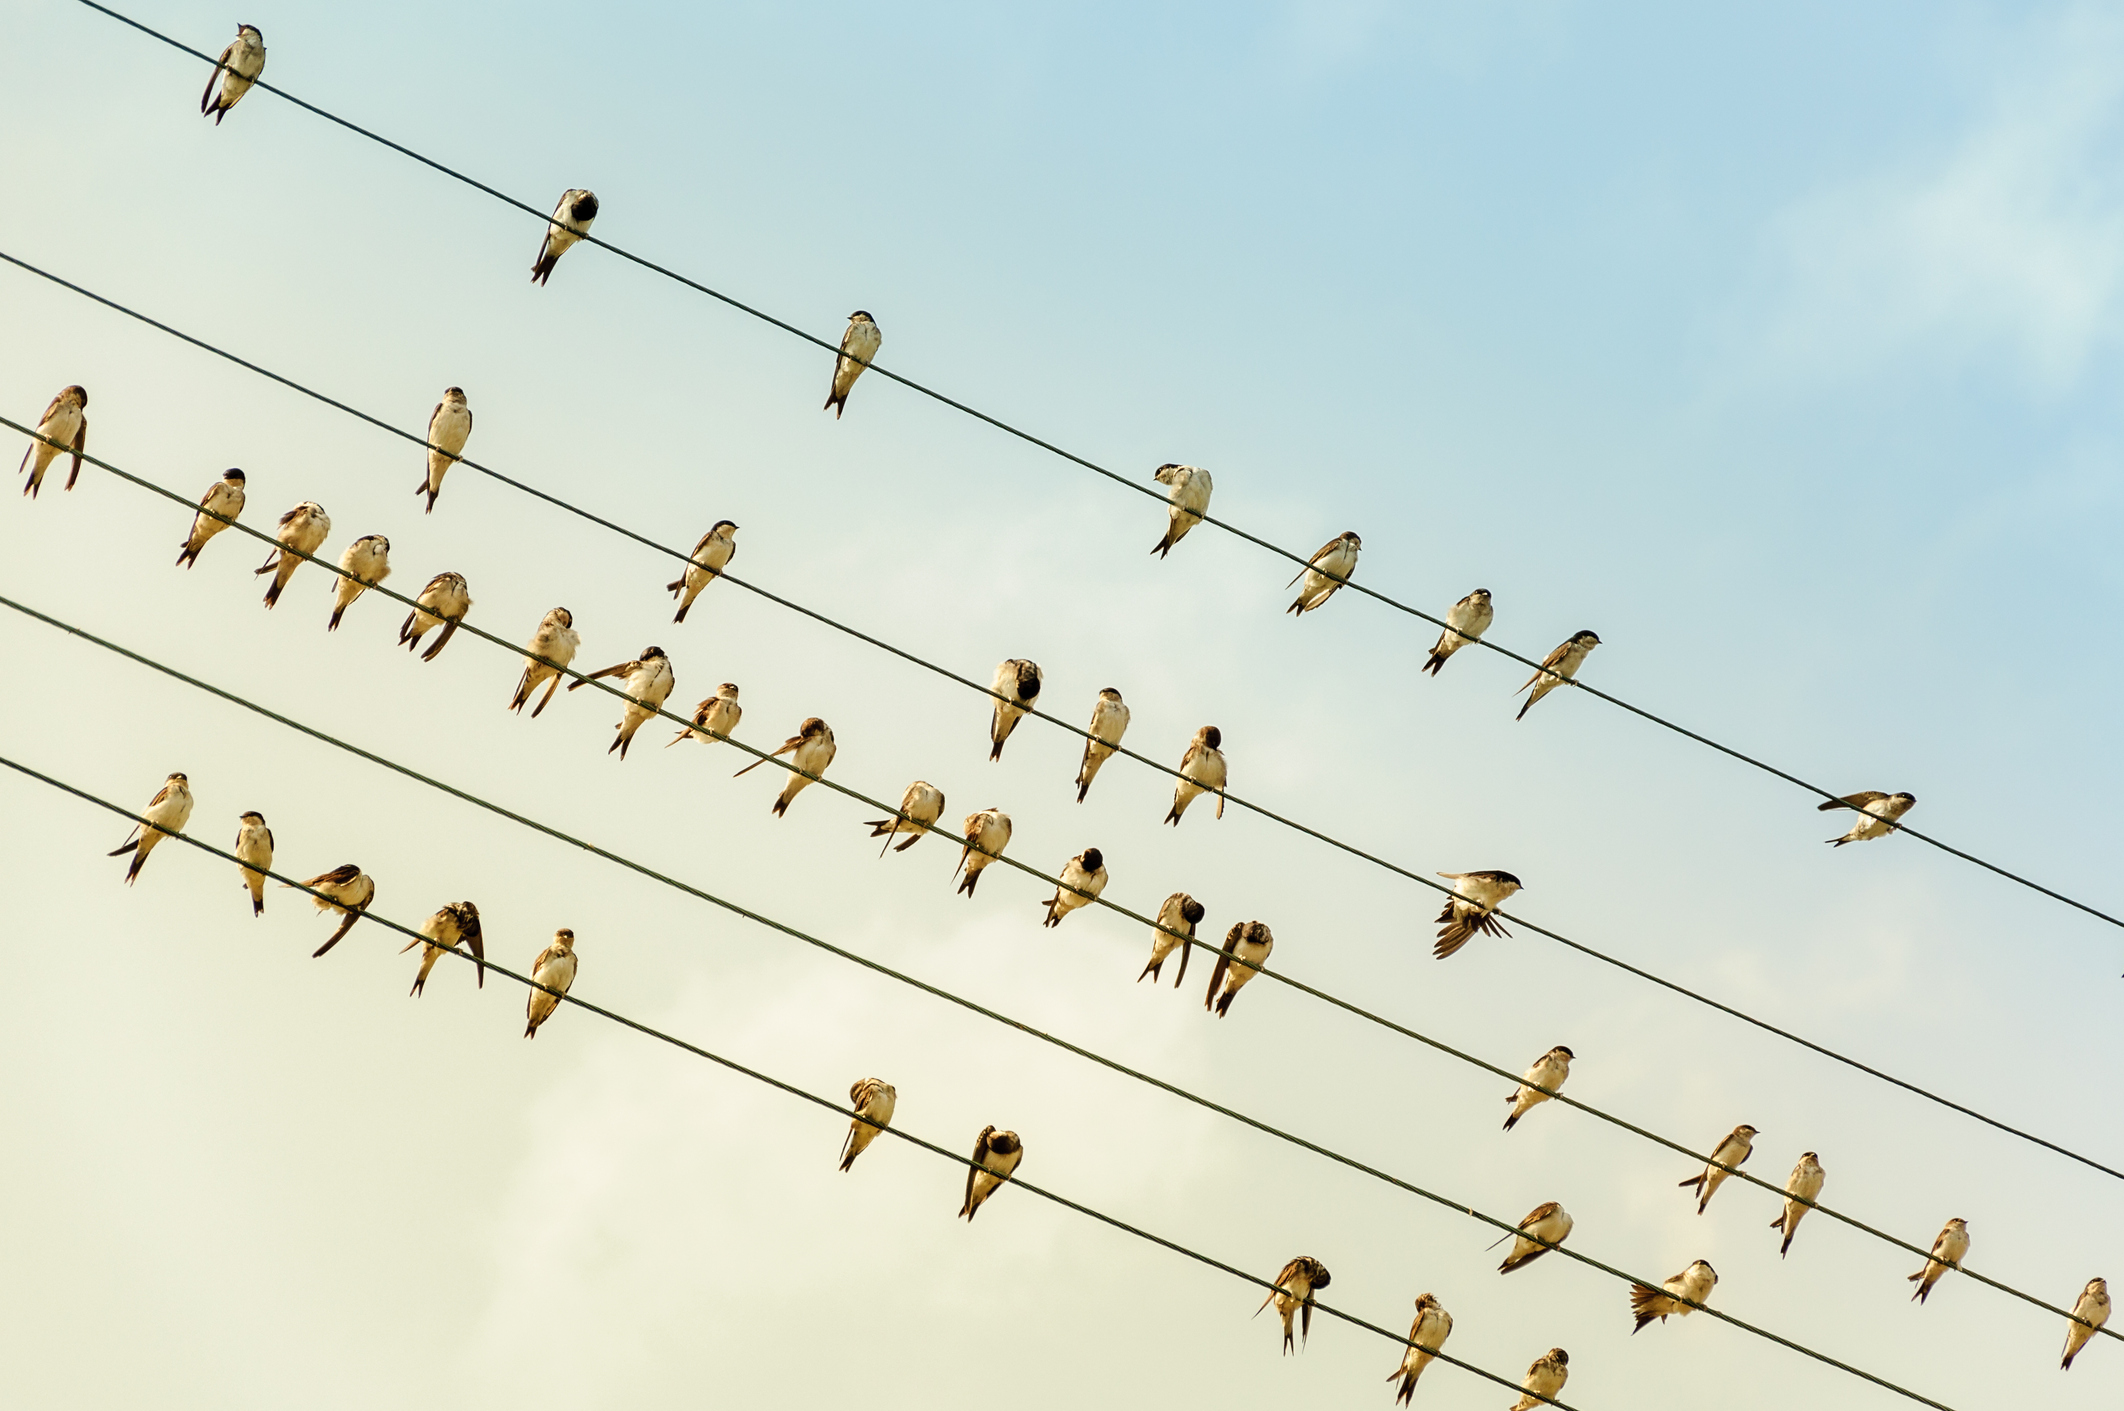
(734, 1066)
(1101, 900)
(1114, 476)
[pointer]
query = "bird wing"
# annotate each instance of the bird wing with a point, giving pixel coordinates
(1858, 800)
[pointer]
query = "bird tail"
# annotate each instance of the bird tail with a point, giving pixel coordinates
(1836, 842)
(273, 589)
(912, 839)
(1164, 546)
(186, 554)
(1526, 706)
(1150, 971)
(781, 804)
(1512, 1119)
(1083, 788)
(406, 634)
(344, 927)
(337, 613)
(547, 699)
(1434, 664)
(1696, 1181)
(140, 858)
(541, 271)
(848, 1151)
(973, 876)
(449, 630)
(1185, 949)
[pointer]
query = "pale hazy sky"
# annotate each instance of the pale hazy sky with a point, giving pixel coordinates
(1778, 349)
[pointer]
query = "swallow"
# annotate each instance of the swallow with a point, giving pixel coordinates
(1018, 684)
(1547, 1221)
(1692, 1285)
(1549, 1071)
(1947, 1252)
(1181, 913)
(1544, 1379)
(166, 813)
(555, 970)
(987, 834)
(1878, 812)
(1427, 1334)
(236, 70)
(1328, 570)
(254, 850)
(2092, 1311)
(996, 1155)
(1475, 896)
(1732, 1151)
(1558, 667)
(649, 682)
(1466, 621)
(1801, 1188)
(365, 563)
(449, 427)
(1187, 488)
(571, 220)
(551, 647)
(1246, 949)
(65, 422)
(858, 346)
(444, 602)
(1202, 771)
(873, 1100)
(1086, 872)
(456, 924)
(810, 750)
(347, 890)
(710, 557)
(1295, 1286)
(302, 531)
(225, 498)
(713, 718)
(921, 805)
(1109, 721)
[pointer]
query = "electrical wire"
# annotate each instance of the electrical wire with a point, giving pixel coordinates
(1112, 475)
(734, 1066)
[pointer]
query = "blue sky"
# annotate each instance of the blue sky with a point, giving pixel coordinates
(1779, 349)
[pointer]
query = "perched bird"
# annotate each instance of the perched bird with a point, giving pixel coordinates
(456, 924)
(254, 849)
(2093, 1311)
(302, 531)
(996, 1155)
(1300, 1279)
(1801, 1187)
(571, 222)
(1546, 1377)
(1018, 683)
(649, 682)
(1475, 896)
(873, 1100)
(225, 498)
(1328, 570)
(1188, 488)
(1558, 667)
(449, 427)
(347, 890)
(236, 70)
(444, 602)
(810, 750)
(987, 834)
(166, 813)
(1202, 771)
(710, 557)
(1466, 621)
(1246, 949)
(1878, 812)
(555, 970)
(64, 422)
(1947, 1252)
(1427, 1334)
(858, 346)
(1692, 1285)
(718, 715)
(923, 805)
(1181, 913)
(1732, 1151)
(365, 563)
(1547, 1221)
(551, 648)
(1086, 872)
(1549, 1071)
(1109, 720)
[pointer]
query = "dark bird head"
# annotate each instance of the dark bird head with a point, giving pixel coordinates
(561, 617)
(1586, 638)
(78, 393)
(1810, 1156)
(453, 394)
(652, 653)
(1003, 1143)
(233, 474)
(1502, 878)
(813, 728)
(1321, 1277)
(720, 525)
(1108, 693)
(1349, 536)
(861, 316)
(728, 690)
(1093, 860)
(1424, 1300)
(179, 779)
(1210, 735)
(253, 816)
(1028, 680)
(1564, 1051)
(250, 29)
(1560, 1357)
(378, 540)
(564, 938)
(1907, 798)
(1169, 465)
(585, 207)
(1192, 910)
(1480, 595)
(1746, 1132)
(1706, 1264)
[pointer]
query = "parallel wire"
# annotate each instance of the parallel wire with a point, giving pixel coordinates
(1100, 900)
(1114, 476)
(838, 1109)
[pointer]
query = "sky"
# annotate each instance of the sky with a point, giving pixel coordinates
(1779, 348)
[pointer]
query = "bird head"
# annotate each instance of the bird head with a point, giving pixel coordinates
(1211, 736)
(1480, 595)
(253, 816)
(178, 779)
(812, 728)
(1906, 799)
(564, 938)
(1560, 1049)
(1745, 1132)
(720, 525)
(1587, 638)
(727, 691)
(78, 395)
(861, 316)
(1108, 693)
(652, 653)
(233, 474)
(1557, 1355)
(250, 29)
(560, 617)
(1192, 910)
(584, 206)
(1092, 859)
